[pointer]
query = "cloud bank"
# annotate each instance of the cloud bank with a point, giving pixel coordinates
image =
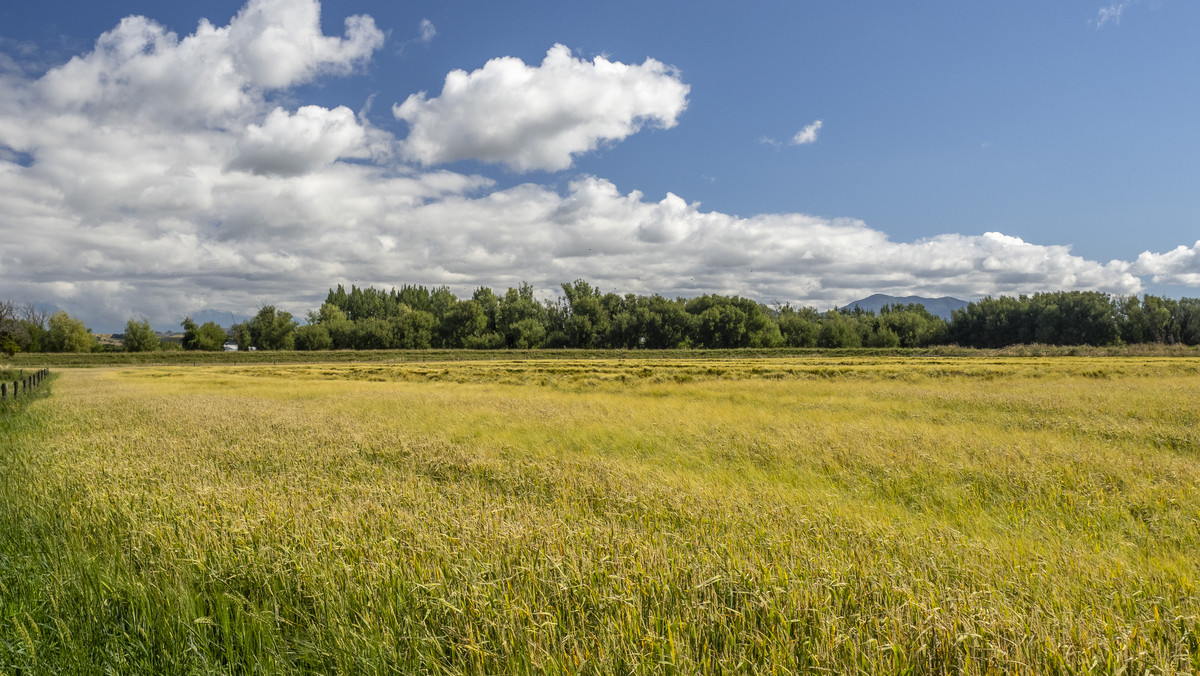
(159, 176)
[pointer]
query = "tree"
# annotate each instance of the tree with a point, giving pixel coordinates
(373, 333)
(527, 334)
(839, 330)
(441, 301)
(139, 337)
(882, 336)
(799, 327)
(667, 324)
(241, 335)
(516, 311)
(721, 326)
(413, 329)
(516, 306)
(313, 337)
(333, 318)
(490, 304)
(1159, 319)
(587, 320)
(1188, 320)
(464, 321)
(272, 329)
(67, 334)
(1131, 320)
(14, 337)
(208, 336)
(913, 325)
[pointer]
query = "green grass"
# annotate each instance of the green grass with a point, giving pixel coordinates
(869, 514)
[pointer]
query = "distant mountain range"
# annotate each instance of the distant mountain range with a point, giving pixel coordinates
(941, 307)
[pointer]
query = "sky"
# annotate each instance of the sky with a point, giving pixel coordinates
(159, 160)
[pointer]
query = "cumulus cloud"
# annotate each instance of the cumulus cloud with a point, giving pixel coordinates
(1181, 266)
(230, 201)
(539, 117)
(807, 135)
(290, 145)
(141, 70)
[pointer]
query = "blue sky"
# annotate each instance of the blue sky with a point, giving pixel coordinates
(953, 149)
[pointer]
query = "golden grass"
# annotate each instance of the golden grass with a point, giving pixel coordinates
(878, 515)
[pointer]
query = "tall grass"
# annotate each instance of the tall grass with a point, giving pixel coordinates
(879, 515)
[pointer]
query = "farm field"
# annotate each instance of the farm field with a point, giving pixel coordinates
(801, 514)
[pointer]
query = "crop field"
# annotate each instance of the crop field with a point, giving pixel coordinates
(805, 514)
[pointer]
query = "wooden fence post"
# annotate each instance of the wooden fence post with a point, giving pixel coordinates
(3, 390)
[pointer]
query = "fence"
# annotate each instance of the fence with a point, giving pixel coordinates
(24, 386)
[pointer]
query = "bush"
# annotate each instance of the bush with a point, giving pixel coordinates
(139, 337)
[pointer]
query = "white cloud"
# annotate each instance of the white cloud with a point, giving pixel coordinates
(140, 70)
(290, 145)
(1180, 266)
(428, 31)
(226, 200)
(279, 42)
(1112, 13)
(807, 135)
(539, 117)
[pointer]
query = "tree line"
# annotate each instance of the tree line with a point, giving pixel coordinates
(27, 328)
(417, 317)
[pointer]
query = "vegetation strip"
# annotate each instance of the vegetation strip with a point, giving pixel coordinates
(418, 318)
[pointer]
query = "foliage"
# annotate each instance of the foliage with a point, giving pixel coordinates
(14, 337)
(270, 329)
(839, 330)
(208, 337)
(313, 337)
(22, 327)
(1060, 318)
(139, 337)
(585, 317)
(67, 334)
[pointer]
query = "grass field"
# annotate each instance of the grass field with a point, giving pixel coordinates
(805, 514)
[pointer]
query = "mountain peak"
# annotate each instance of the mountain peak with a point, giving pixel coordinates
(941, 307)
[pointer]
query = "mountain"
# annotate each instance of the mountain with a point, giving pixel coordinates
(941, 307)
